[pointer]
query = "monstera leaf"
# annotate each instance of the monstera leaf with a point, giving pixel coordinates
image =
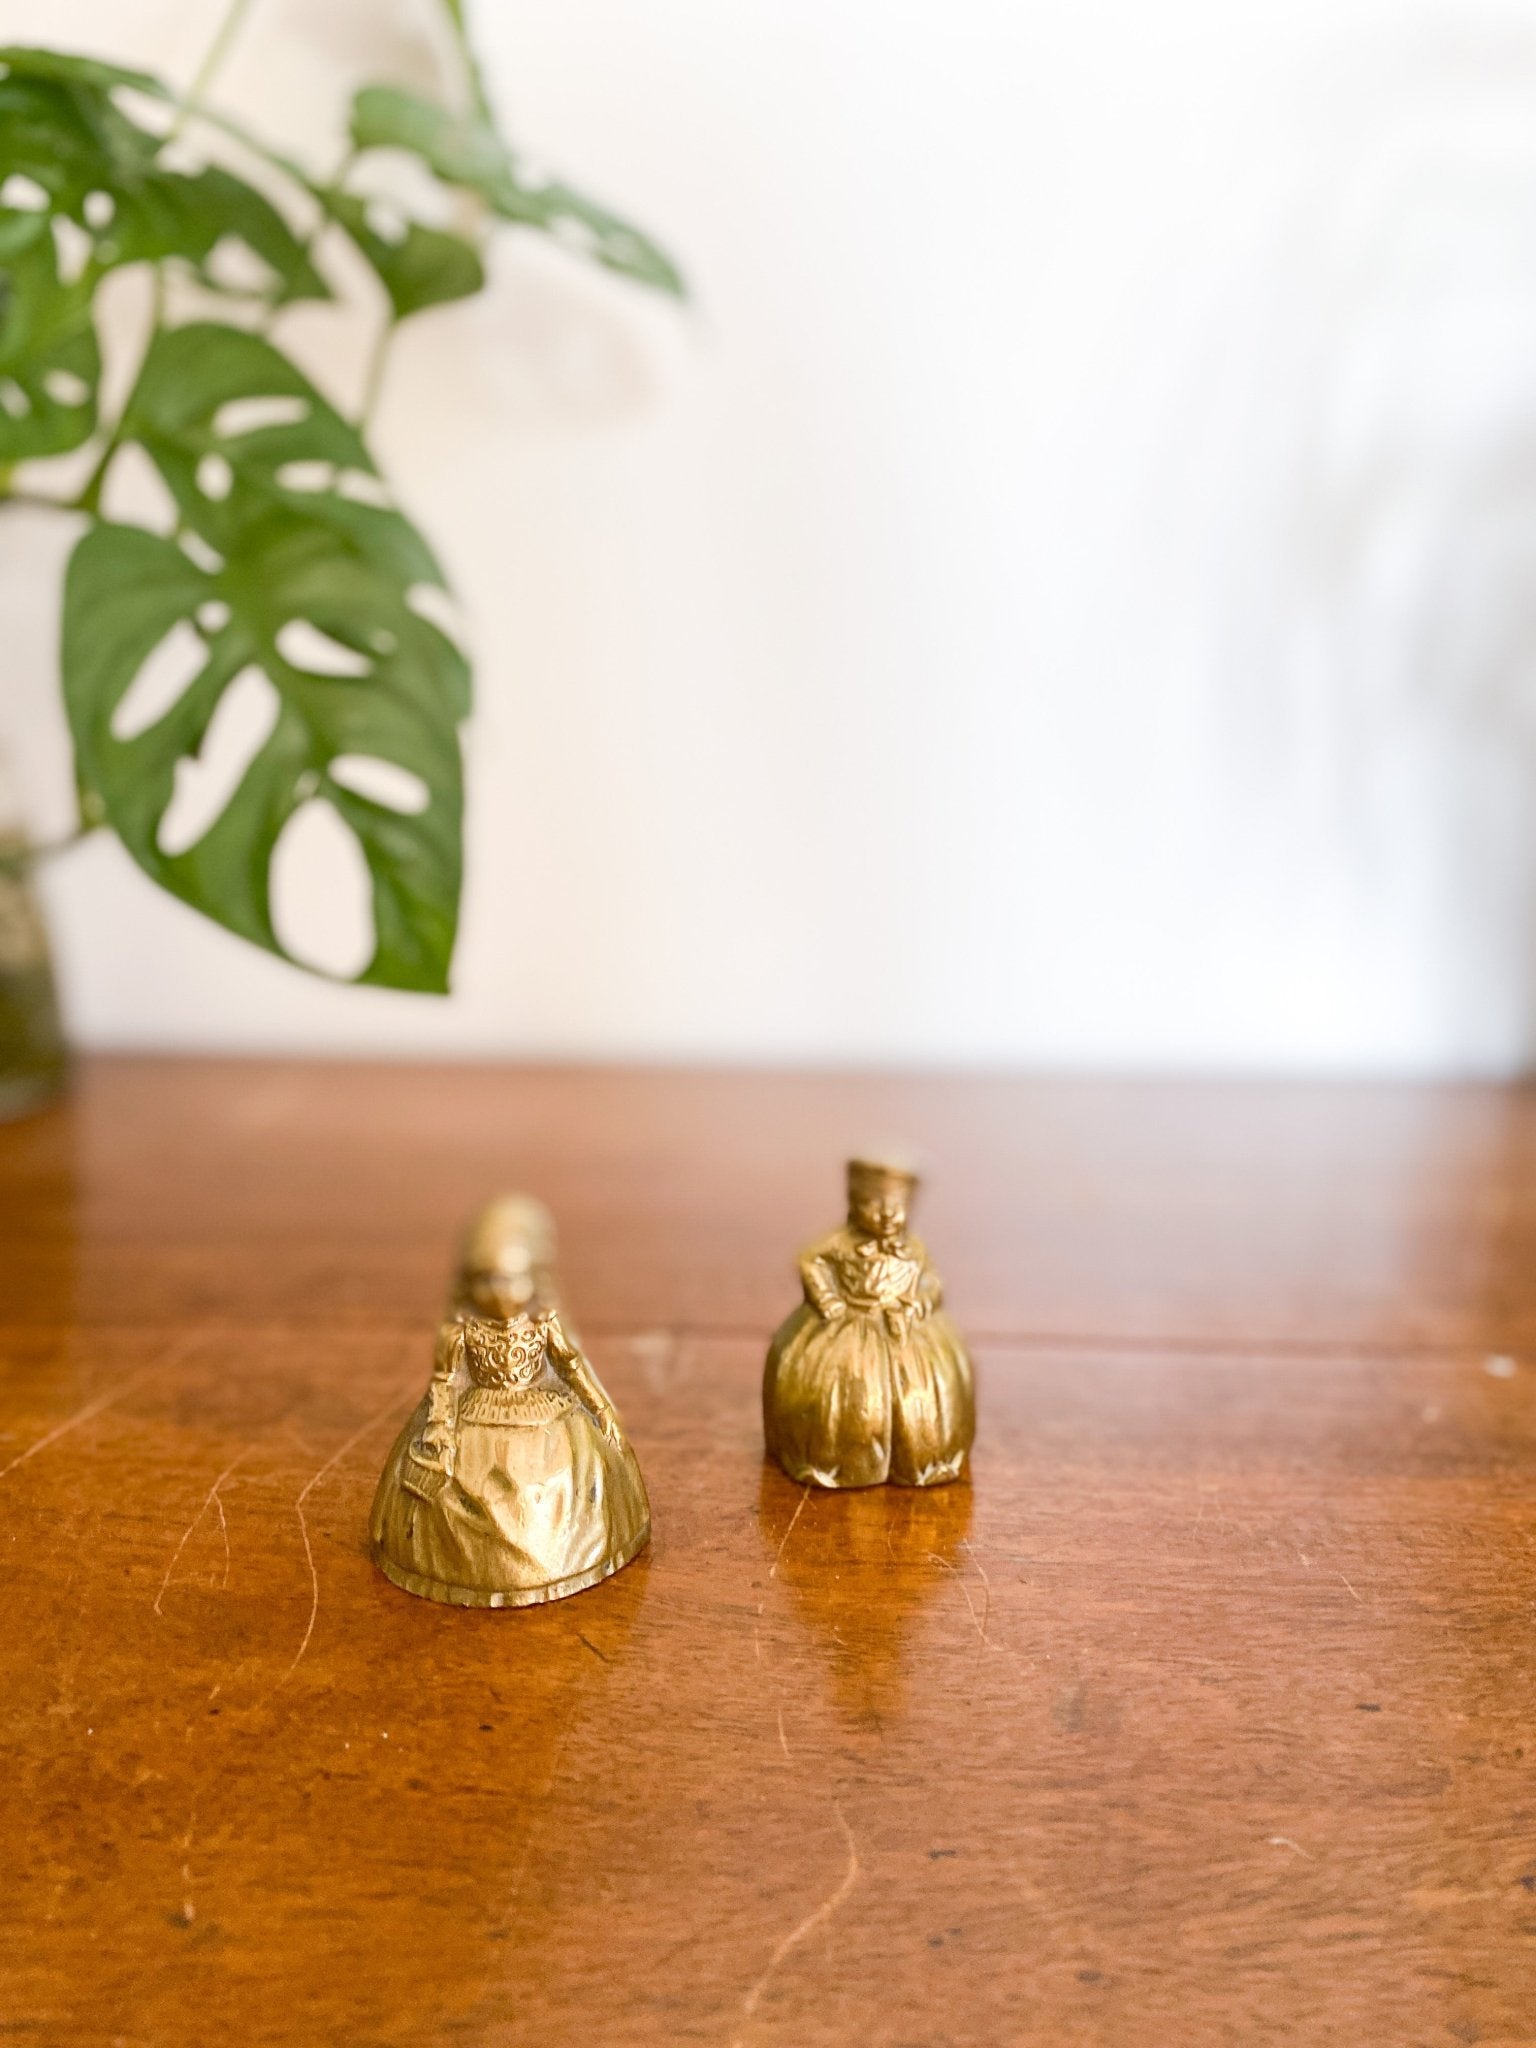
(465, 150)
(290, 582)
(417, 266)
(96, 198)
(222, 413)
(270, 555)
(65, 67)
(127, 589)
(66, 133)
(50, 362)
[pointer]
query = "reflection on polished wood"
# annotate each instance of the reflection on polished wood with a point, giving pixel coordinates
(1202, 1710)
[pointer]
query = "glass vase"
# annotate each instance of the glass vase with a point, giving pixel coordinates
(33, 1064)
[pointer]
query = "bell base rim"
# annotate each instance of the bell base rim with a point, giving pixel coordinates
(447, 1595)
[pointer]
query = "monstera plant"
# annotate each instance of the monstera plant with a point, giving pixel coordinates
(284, 538)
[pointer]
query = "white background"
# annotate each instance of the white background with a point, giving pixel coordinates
(1065, 593)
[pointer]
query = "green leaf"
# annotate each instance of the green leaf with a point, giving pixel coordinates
(461, 149)
(126, 590)
(177, 412)
(103, 182)
(68, 69)
(421, 267)
(465, 150)
(50, 363)
(283, 553)
(218, 204)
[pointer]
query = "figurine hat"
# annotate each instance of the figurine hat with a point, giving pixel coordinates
(877, 1176)
(510, 1235)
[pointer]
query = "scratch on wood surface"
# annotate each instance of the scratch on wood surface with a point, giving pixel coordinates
(188, 1909)
(1285, 1842)
(773, 1569)
(363, 1429)
(224, 1534)
(977, 1619)
(783, 1739)
(1211, 1492)
(210, 1499)
(515, 1890)
(986, 1589)
(814, 1919)
(92, 1408)
(1350, 1589)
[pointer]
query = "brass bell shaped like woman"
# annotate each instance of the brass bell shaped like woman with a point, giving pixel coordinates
(869, 1380)
(513, 1482)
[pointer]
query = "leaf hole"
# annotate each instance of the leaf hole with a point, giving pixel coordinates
(137, 493)
(317, 653)
(23, 193)
(234, 266)
(213, 616)
(75, 248)
(149, 112)
(363, 489)
(13, 399)
(65, 388)
(431, 602)
(306, 476)
(238, 730)
(322, 893)
(385, 221)
(197, 550)
(214, 477)
(247, 415)
(98, 209)
(382, 782)
(161, 682)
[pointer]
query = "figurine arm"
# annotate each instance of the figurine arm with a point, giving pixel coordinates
(819, 1279)
(921, 1298)
(442, 1402)
(929, 1290)
(573, 1366)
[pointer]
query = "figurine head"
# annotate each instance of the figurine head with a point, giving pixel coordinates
(508, 1260)
(879, 1192)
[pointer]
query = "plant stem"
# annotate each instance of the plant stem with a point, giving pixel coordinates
(474, 77)
(89, 499)
(373, 379)
(318, 225)
(213, 58)
(11, 496)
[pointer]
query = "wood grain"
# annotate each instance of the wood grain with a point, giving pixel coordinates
(1204, 1713)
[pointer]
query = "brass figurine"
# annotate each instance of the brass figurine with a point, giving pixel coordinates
(869, 1380)
(513, 1482)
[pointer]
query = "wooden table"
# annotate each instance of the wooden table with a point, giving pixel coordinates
(1205, 1714)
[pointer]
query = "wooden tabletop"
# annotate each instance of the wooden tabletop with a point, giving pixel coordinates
(1205, 1713)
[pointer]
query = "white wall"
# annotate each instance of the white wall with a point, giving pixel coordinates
(1067, 593)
